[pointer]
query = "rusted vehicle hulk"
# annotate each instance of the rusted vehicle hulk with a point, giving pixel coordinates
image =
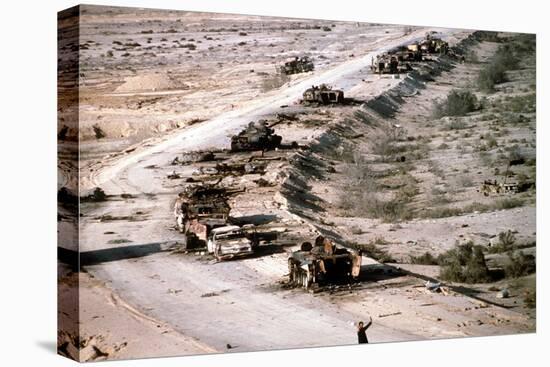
(297, 65)
(199, 209)
(511, 187)
(256, 136)
(229, 242)
(434, 45)
(407, 54)
(389, 63)
(322, 264)
(323, 94)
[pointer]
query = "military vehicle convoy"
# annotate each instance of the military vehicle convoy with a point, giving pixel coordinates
(256, 136)
(400, 59)
(323, 94)
(322, 264)
(297, 65)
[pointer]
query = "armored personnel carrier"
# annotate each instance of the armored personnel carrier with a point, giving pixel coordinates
(297, 65)
(322, 264)
(323, 94)
(256, 136)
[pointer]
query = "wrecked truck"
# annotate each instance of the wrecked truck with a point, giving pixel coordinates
(229, 242)
(199, 209)
(297, 65)
(322, 264)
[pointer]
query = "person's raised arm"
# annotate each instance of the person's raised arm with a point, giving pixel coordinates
(368, 324)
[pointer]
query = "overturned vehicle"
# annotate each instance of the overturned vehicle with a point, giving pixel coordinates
(322, 264)
(297, 65)
(323, 94)
(256, 136)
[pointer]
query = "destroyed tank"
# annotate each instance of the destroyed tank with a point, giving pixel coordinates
(256, 136)
(297, 65)
(323, 94)
(322, 264)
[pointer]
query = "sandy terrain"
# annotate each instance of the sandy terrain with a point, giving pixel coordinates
(194, 99)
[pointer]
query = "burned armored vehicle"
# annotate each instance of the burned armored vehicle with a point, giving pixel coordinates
(409, 53)
(322, 264)
(323, 94)
(256, 136)
(297, 65)
(199, 209)
(388, 63)
(434, 45)
(229, 242)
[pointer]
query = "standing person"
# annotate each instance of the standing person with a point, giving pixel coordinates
(361, 331)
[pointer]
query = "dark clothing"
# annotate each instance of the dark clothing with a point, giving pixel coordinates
(362, 335)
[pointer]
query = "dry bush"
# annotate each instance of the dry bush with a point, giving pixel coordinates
(464, 264)
(520, 265)
(424, 259)
(457, 103)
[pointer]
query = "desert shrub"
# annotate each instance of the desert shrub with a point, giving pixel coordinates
(99, 133)
(424, 259)
(97, 195)
(457, 103)
(520, 265)
(506, 238)
(464, 264)
(495, 71)
(367, 204)
(189, 46)
(509, 203)
(530, 299)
